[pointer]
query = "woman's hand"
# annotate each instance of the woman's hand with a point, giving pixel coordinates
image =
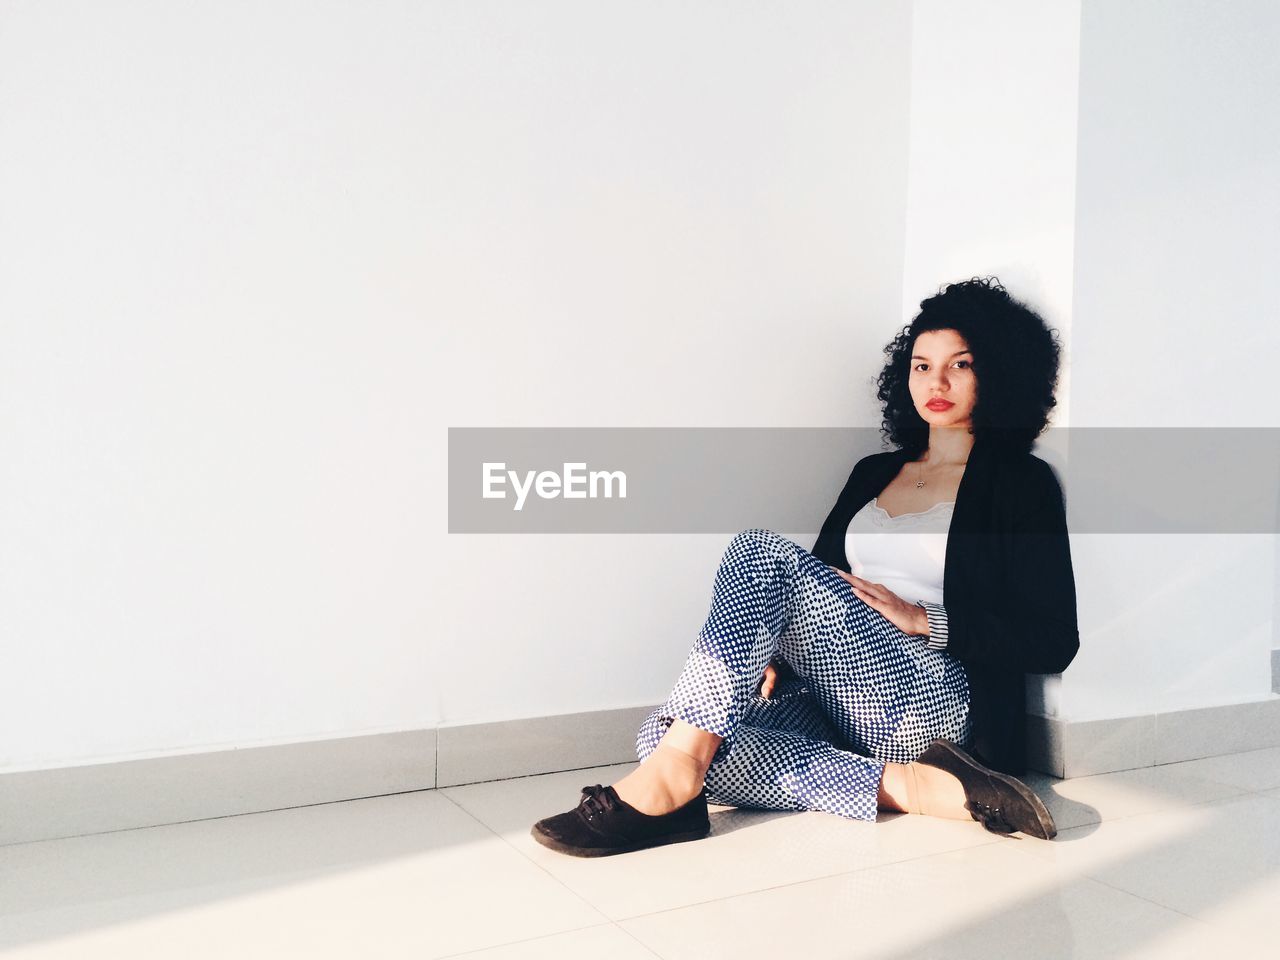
(906, 616)
(776, 671)
(770, 680)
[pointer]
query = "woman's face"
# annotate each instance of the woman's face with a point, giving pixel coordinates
(942, 368)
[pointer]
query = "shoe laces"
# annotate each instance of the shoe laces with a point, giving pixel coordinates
(596, 800)
(990, 817)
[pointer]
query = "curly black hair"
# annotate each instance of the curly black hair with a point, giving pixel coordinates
(1015, 360)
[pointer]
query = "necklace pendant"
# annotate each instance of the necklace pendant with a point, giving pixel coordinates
(919, 484)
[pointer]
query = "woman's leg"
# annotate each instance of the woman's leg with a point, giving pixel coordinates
(885, 694)
(785, 755)
(781, 757)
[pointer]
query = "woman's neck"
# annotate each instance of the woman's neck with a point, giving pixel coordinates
(948, 446)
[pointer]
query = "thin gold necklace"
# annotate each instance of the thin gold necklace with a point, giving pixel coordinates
(920, 472)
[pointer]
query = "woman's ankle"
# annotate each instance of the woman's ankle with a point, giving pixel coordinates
(922, 789)
(692, 741)
(668, 778)
(679, 766)
(892, 793)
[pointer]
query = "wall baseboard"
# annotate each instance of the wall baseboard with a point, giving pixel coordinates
(101, 797)
(472, 753)
(97, 798)
(1081, 748)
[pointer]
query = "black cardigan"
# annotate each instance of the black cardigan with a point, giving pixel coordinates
(1008, 586)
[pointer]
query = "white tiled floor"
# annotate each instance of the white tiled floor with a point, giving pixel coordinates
(1172, 861)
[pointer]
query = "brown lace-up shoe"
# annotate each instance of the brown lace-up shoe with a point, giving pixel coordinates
(999, 802)
(603, 824)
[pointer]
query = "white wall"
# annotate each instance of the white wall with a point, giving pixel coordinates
(1177, 237)
(255, 258)
(704, 228)
(217, 395)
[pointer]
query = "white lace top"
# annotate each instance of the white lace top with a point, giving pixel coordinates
(906, 553)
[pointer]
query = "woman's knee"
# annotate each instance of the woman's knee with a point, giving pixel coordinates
(754, 536)
(757, 540)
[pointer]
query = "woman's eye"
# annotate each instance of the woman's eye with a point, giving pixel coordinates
(965, 364)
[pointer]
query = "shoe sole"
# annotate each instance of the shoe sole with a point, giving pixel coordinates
(560, 847)
(1048, 829)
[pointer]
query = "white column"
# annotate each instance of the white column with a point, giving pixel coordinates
(991, 186)
(1178, 233)
(1114, 165)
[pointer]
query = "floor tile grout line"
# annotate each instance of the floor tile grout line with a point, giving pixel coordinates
(609, 921)
(795, 883)
(1096, 879)
(529, 859)
(1243, 793)
(1172, 808)
(1112, 886)
(1192, 776)
(1128, 893)
(532, 776)
(297, 806)
(1233, 786)
(1230, 798)
(644, 945)
(1082, 875)
(221, 816)
(828, 876)
(1138, 896)
(1263, 791)
(515, 943)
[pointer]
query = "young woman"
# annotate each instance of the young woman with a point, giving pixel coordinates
(885, 669)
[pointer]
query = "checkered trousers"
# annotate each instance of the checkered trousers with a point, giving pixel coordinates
(865, 693)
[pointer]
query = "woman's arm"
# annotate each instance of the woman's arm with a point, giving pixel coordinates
(1035, 630)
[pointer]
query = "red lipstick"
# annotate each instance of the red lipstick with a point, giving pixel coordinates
(937, 403)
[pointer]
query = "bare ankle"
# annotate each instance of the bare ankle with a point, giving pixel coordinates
(937, 793)
(678, 761)
(692, 741)
(892, 793)
(667, 778)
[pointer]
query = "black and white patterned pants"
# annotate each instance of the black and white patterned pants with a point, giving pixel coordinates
(864, 692)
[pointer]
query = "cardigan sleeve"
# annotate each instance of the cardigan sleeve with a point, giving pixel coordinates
(1034, 629)
(829, 547)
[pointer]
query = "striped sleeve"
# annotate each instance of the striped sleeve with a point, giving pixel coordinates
(937, 615)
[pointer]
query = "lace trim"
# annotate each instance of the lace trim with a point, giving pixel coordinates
(875, 502)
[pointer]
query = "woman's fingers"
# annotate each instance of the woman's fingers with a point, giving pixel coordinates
(856, 581)
(770, 676)
(866, 588)
(872, 601)
(880, 599)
